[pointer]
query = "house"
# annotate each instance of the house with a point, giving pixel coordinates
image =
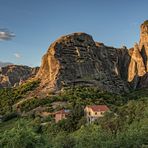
(95, 111)
(60, 115)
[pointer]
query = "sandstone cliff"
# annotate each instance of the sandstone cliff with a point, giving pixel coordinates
(76, 59)
(14, 75)
(138, 67)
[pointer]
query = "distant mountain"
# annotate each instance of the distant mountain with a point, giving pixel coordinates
(3, 64)
(14, 75)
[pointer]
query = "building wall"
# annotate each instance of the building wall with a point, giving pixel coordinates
(90, 112)
(91, 115)
(59, 117)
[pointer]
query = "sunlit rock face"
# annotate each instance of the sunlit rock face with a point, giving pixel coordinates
(76, 59)
(143, 44)
(14, 75)
(138, 67)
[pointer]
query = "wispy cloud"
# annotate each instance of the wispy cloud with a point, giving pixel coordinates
(17, 55)
(5, 34)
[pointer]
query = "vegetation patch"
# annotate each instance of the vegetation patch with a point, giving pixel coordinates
(124, 126)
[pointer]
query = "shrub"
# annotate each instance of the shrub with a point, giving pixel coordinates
(10, 116)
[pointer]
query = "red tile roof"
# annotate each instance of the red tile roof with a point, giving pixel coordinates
(96, 108)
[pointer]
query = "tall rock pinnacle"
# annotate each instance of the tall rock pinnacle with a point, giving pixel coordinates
(144, 35)
(138, 67)
(143, 44)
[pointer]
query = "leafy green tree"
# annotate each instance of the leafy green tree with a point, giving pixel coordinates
(21, 136)
(74, 120)
(92, 136)
(63, 140)
(6, 100)
(134, 136)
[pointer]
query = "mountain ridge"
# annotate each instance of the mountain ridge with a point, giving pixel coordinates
(3, 64)
(14, 75)
(77, 60)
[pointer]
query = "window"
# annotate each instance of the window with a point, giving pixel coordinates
(95, 113)
(101, 113)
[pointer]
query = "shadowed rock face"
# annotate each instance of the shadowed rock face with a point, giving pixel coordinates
(13, 75)
(138, 67)
(76, 59)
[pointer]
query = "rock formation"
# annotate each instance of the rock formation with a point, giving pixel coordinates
(143, 44)
(138, 67)
(13, 75)
(76, 59)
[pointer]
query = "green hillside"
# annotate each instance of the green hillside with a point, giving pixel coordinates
(124, 126)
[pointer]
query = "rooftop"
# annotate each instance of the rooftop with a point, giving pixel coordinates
(96, 108)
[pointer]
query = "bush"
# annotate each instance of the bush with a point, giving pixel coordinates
(63, 140)
(10, 116)
(33, 103)
(21, 136)
(28, 86)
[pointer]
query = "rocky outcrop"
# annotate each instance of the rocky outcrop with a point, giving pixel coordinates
(14, 75)
(143, 44)
(138, 67)
(76, 59)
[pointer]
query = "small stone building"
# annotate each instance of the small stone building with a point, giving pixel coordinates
(60, 115)
(93, 112)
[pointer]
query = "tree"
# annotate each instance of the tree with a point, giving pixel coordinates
(21, 136)
(63, 140)
(74, 120)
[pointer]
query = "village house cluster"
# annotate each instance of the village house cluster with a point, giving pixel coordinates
(92, 112)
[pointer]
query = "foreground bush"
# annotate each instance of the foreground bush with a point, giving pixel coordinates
(21, 136)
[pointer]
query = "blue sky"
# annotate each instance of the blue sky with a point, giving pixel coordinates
(37, 23)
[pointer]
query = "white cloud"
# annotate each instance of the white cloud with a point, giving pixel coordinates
(17, 55)
(5, 34)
